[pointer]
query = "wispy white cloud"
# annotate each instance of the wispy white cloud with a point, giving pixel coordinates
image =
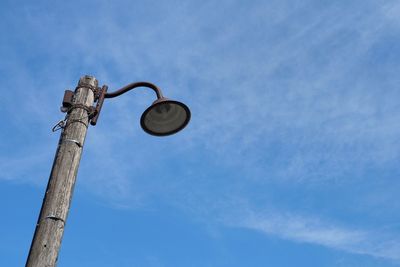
(283, 91)
(315, 231)
(391, 11)
(306, 98)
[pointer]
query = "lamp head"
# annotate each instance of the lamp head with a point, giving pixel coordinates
(165, 117)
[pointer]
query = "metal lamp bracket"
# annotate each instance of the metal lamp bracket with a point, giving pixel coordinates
(94, 112)
(100, 100)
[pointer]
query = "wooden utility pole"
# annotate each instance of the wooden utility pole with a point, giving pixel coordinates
(53, 214)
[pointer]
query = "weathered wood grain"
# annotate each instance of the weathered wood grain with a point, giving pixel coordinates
(56, 203)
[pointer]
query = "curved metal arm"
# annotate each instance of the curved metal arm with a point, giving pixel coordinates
(133, 86)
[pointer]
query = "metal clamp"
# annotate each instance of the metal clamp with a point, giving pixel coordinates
(73, 141)
(90, 110)
(54, 217)
(94, 89)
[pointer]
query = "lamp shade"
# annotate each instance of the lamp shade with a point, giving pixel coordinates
(165, 117)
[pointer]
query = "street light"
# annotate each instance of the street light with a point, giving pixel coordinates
(164, 117)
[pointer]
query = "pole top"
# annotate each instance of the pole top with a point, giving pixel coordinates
(88, 81)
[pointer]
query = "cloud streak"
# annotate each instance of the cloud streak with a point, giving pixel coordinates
(287, 94)
(315, 231)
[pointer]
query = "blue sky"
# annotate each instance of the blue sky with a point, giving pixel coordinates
(291, 157)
